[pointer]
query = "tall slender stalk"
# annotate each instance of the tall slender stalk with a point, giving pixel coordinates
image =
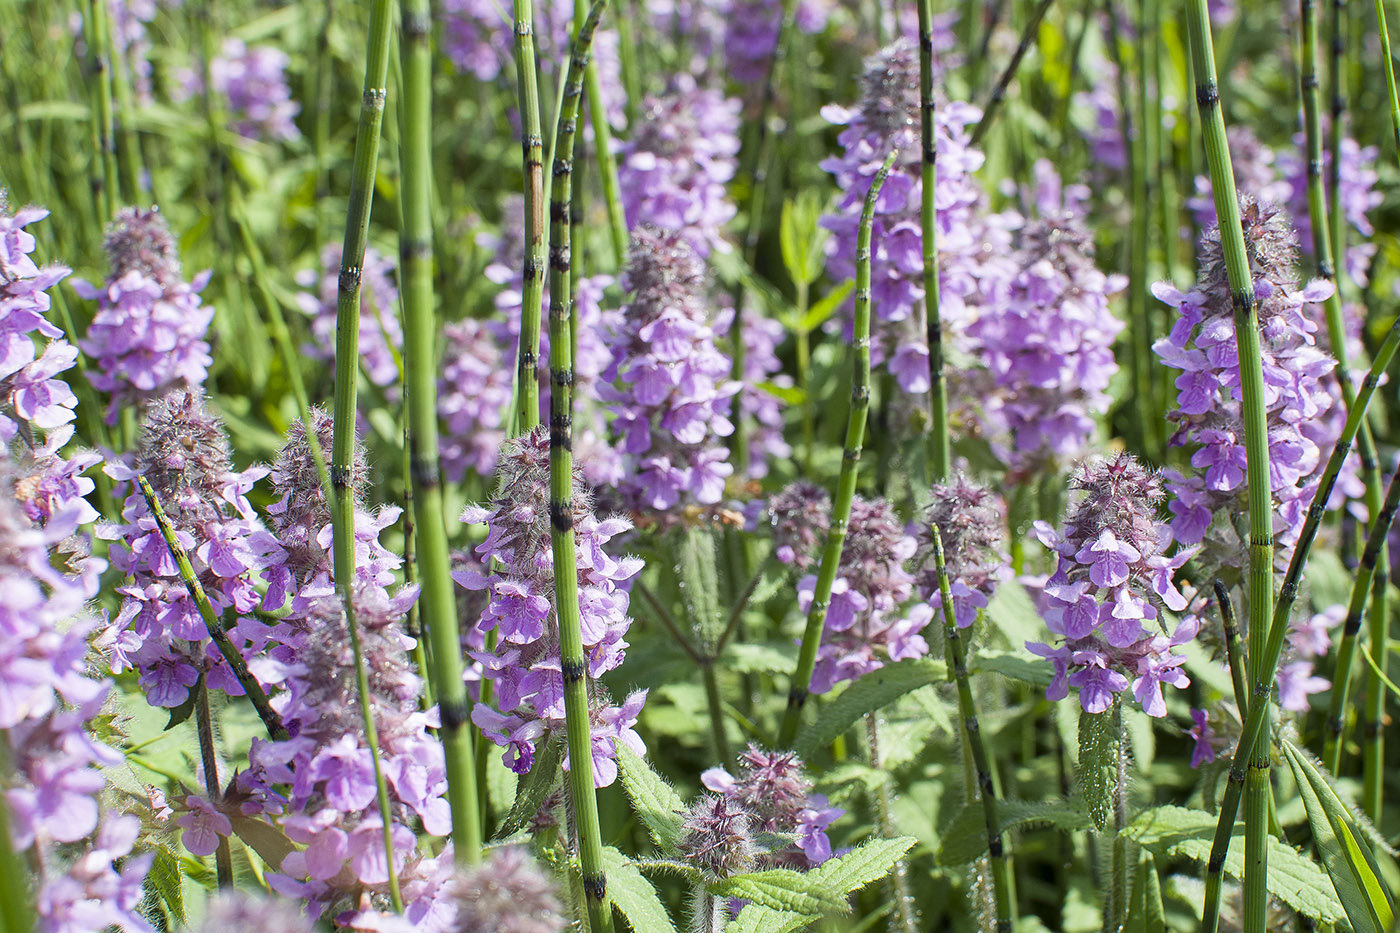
(938, 452)
(128, 147)
(527, 391)
(437, 603)
(572, 661)
(347, 353)
(1232, 648)
(986, 786)
(16, 898)
(1256, 436)
(271, 721)
(1337, 87)
(902, 913)
(100, 68)
(209, 760)
(850, 464)
(1346, 650)
(1028, 35)
(602, 147)
(1262, 672)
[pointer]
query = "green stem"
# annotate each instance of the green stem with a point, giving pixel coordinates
(602, 147)
(100, 66)
(1260, 498)
(1028, 35)
(1337, 86)
(846, 484)
(902, 916)
(16, 899)
(1233, 654)
(715, 705)
(271, 721)
(1116, 906)
(1373, 748)
(347, 339)
(437, 603)
(938, 443)
(972, 729)
(209, 758)
(527, 398)
(128, 149)
(572, 661)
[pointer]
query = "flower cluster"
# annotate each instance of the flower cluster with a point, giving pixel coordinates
(525, 665)
(800, 516)
(474, 391)
(380, 335)
(773, 791)
(716, 837)
(1308, 639)
(1111, 572)
(974, 250)
(673, 170)
(867, 619)
(969, 520)
(183, 453)
(1048, 346)
(1358, 194)
(147, 336)
(669, 383)
(29, 389)
(53, 780)
(507, 893)
(1201, 346)
(253, 82)
(751, 34)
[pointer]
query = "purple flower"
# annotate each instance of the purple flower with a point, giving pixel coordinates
(674, 168)
(1204, 736)
(668, 382)
(969, 520)
(716, 837)
(253, 85)
(1110, 577)
(474, 392)
(799, 517)
(147, 337)
(772, 789)
(203, 825)
(525, 665)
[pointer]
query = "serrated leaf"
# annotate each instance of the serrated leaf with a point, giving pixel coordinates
(699, 582)
(532, 788)
(164, 879)
(870, 861)
(829, 304)
(782, 889)
(633, 896)
(756, 919)
(1345, 854)
(1099, 748)
(1172, 831)
(655, 802)
(871, 692)
(1013, 614)
(965, 839)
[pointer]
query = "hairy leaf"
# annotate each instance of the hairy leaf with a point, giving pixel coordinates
(654, 801)
(867, 862)
(965, 839)
(783, 889)
(1099, 749)
(633, 896)
(871, 692)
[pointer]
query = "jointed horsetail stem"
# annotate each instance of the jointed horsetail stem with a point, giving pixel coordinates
(561, 482)
(928, 219)
(437, 603)
(986, 786)
(347, 359)
(527, 399)
(850, 461)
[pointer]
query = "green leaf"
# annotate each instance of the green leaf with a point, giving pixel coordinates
(802, 238)
(654, 801)
(1345, 854)
(164, 879)
(271, 844)
(1099, 748)
(756, 919)
(870, 861)
(633, 896)
(871, 692)
(1013, 614)
(699, 582)
(829, 304)
(182, 712)
(789, 395)
(533, 788)
(782, 889)
(1013, 664)
(1180, 832)
(965, 839)
(744, 658)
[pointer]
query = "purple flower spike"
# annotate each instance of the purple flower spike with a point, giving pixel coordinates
(1103, 597)
(969, 519)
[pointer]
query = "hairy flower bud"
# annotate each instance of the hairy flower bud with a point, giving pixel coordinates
(715, 837)
(507, 893)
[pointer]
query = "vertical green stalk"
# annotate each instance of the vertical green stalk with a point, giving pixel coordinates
(437, 603)
(999, 92)
(100, 68)
(1262, 672)
(1356, 605)
(902, 914)
(1144, 150)
(1337, 86)
(1118, 897)
(1256, 436)
(938, 453)
(527, 392)
(602, 146)
(572, 661)
(850, 463)
(209, 759)
(347, 353)
(16, 899)
(128, 149)
(986, 786)
(1232, 648)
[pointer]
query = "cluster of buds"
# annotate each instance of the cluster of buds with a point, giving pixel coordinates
(773, 795)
